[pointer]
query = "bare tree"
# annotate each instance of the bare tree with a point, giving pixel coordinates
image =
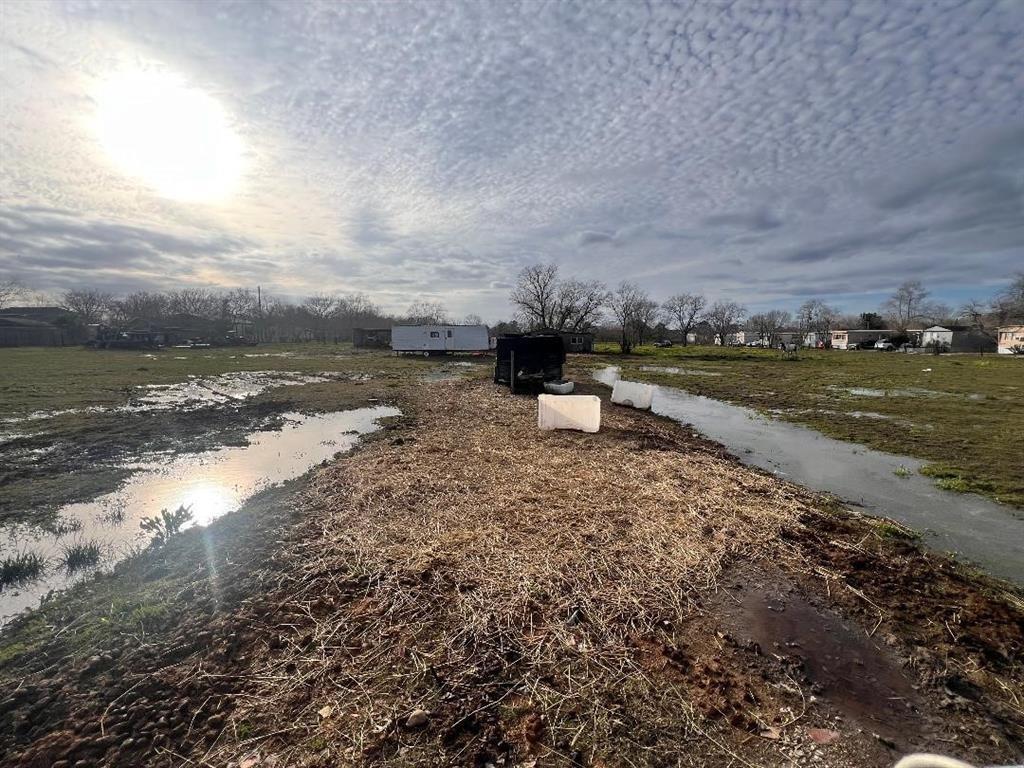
(724, 318)
(472, 319)
(906, 304)
(427, 313)
(577, 305)
(534, 294)
(768, 324)
(684, 310)
(199, 302)
(10, 292)
(91, 306)
(817, 317)
(632, 308)
(140, 306)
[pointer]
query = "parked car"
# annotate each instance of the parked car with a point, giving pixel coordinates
(885, 345)
(663, 343)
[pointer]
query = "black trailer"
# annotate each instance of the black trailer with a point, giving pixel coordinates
(526, 361)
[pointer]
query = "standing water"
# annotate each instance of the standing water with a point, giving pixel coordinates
(965, 524)
(211, 484)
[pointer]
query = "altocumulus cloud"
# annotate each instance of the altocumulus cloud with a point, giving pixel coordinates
(761, 151)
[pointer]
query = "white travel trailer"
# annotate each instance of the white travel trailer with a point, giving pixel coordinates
(439, 339)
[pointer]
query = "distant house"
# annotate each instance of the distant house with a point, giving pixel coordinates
(22, 332)
(371, 338)
(856, 338)
(39, 326)
(440, 339)
(957, 338)
(573, 341)
(1010, 340)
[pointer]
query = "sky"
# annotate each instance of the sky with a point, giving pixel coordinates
(761, 152)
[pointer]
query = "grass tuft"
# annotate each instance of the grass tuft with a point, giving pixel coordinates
(902, 471)
(21, 568)
(81, 555)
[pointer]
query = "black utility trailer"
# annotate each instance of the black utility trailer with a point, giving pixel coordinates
(526, 361)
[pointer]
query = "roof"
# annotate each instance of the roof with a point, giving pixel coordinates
(24, 322)
(949, 328)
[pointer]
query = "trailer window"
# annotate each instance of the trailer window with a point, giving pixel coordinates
(435, 335)
(449, 334)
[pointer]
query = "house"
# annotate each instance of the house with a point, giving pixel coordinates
(1010, 340)
(957, 338)
(440, 339)
(23, 332)
(371, 338)
(858, 338)
(574, 341)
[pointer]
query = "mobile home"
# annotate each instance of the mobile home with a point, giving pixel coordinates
(1011, 339)
(439, 339)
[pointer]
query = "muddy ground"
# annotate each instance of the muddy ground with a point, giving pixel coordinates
(465, 590)
(77, 456)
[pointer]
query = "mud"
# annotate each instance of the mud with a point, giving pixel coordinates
(838, 662)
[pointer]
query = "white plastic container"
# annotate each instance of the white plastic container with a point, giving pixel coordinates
(633, 393)
(582, 412)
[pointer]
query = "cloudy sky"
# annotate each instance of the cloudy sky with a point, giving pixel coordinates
(758, 151)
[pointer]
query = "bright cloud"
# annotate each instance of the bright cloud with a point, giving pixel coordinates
(760, 151)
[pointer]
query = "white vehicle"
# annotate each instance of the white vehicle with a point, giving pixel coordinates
(885, 345)
(439, 339)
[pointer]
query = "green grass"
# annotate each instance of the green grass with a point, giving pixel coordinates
(965, 413)
(81, 555)
(902, 471)
(21, 568)
(49, 379)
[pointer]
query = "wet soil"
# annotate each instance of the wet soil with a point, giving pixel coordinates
(836, 660)
(76, 457)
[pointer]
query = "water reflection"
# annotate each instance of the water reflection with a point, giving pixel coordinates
(211, 483)
(963, 523)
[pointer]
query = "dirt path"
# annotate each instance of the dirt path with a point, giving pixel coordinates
(470, 591)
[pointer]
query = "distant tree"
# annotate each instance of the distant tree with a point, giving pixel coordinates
(506, 326)
(426, 313)
(534, 294)
(724, 317)
(472, 319)
(817, 317)
(10, 292)
(684, 309)
(768, 324)
(545, 301)
(909, 303)
(91, 306)
(1008, 305)
(140, 306)
(633, 310)
(871, 321)
(199, 302)
(321, 308)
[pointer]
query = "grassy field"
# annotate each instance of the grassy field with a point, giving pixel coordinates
(962, 413)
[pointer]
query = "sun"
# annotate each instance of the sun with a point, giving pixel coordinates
(174, 138)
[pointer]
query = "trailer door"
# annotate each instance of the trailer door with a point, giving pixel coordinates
(449, 340)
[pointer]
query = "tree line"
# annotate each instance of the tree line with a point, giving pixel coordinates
(545, 300)
(320, 316)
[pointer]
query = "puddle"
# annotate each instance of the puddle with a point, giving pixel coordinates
(212, 483)
(842, 665)
(678, 371)
(904, 392)
(965, 524)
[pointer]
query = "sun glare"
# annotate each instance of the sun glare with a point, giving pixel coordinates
(174, 138)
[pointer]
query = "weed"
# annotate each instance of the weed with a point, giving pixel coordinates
(167, 525)
(957, 484)
(889, 530)
(81, 555)
(902, 471)
(21, 568)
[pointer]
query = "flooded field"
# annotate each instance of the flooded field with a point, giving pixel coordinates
(207, 484)
(888, 485)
